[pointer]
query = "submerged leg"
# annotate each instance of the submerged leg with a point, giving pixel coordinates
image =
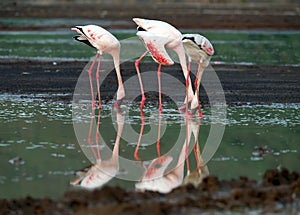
(97, 134)
(158, 136)
(187, 147)
(137, 62)
(136, 151)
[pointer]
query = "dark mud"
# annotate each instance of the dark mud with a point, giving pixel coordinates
(241, 83)
(279, 192)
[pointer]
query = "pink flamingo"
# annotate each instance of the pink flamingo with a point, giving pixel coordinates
(99, 38)
(158, 36)
(200, 50)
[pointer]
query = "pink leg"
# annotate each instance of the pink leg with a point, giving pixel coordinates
(187, 147)
(196, 149)
(89, 139)
(158, 136)
(137, 62)
(97, 133)
(98, 81)
(90, 72)
(136, 151)
(159, 88)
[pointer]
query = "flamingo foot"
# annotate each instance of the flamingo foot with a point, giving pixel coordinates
(136, 156)
(142, 102)
(94, 104)
(100, 105)
(200, 114)
(160, 108)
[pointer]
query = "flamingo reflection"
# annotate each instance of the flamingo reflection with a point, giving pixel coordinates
(136, 152)
(196, 176)
(103, 170)
(157, 178)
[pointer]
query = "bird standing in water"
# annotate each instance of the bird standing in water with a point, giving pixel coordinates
(200, 50)
(99, 38)
(158, 36)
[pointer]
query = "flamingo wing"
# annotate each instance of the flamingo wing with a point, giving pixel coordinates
(156, 46)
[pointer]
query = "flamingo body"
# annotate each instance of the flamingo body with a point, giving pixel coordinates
(156, 46)
(102, 40)
(158, 36)
(98, 38)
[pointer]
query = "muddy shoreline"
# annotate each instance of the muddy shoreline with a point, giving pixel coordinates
(242, 84)
(278, 192)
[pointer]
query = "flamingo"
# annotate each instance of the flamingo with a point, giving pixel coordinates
(158, 36)
(199, 49)
(102, 40)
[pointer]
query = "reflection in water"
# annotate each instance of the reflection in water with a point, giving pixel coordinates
(156, 178)
(103, 170)
(159, 174)
(196, 176)
(259, 137)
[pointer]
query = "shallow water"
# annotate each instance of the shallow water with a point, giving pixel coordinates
(41, 134)
(253, 47)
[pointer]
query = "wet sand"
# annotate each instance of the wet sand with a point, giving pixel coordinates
(241, 83)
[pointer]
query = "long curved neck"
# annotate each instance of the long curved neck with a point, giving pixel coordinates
(182, 59)
(116, 58)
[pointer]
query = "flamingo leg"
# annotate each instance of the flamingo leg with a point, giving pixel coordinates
(187, 148)
(158, 136)
(137, 62)
(197, 85)
(97, 134)
(197, 155)
(159, 88)
(89, 139)
(90, 72)
(98, 81)
(136, 151)
(187, 85)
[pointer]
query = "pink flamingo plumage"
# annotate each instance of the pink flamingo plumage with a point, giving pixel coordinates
(99, 38)
(158, 36)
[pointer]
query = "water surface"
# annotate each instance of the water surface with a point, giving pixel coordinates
(41, 133)
(254, 47)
